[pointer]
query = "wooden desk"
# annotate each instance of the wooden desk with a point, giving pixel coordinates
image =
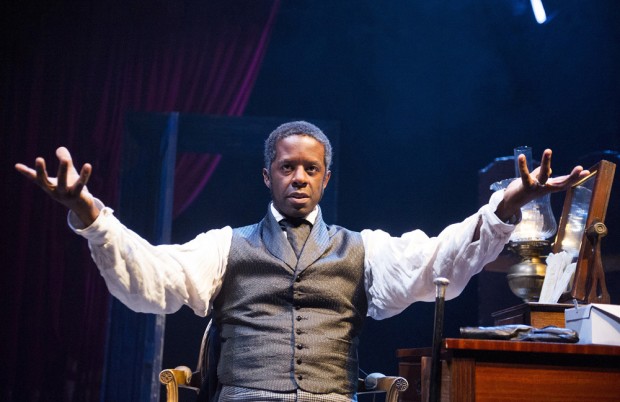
(483, 370)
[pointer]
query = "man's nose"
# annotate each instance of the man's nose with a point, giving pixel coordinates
(300, 177)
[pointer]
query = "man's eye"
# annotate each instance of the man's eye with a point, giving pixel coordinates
(312, 169)
(286, 168)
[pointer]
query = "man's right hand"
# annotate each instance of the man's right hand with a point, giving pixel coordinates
(69, 188)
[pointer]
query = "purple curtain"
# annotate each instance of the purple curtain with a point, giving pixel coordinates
(70, 71)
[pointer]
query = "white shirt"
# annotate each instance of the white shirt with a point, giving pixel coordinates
(398, 270)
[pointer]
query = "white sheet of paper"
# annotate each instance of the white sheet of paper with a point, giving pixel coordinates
(546, 293)
(563, 280)
(556, 267)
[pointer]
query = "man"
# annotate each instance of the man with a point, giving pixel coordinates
(289, 314)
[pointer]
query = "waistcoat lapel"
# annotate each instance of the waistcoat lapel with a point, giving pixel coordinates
(315, 246)
(275, 241)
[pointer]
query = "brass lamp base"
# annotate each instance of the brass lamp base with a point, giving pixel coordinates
(526, 277)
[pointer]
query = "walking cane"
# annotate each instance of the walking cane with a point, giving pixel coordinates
(435, 377)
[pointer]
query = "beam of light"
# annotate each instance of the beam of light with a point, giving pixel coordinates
(539, 11)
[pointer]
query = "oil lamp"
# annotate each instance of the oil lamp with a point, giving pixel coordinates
(530, 239)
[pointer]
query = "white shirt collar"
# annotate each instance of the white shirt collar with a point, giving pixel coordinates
(311, 217)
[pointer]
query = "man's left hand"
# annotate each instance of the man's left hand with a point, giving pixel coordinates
(534, 185)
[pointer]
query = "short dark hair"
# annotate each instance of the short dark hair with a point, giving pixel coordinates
(296, 128)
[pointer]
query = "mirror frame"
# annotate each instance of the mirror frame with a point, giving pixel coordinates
(603, 174)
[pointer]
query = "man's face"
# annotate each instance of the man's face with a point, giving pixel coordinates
(297, 176)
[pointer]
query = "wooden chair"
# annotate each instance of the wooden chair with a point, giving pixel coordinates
(204, 379)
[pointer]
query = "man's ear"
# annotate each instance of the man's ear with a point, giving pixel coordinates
(328, 175)
(266, 178)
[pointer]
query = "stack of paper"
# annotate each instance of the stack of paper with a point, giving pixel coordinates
(560, 270)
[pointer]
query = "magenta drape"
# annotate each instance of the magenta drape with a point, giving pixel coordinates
(70, 73)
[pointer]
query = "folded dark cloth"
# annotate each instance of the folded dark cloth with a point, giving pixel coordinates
(520, 332)
(550, 334)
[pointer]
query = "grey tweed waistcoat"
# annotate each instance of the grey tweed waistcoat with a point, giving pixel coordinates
(288, 324)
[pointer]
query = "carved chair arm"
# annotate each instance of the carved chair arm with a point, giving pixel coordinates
(391, 385)
(178, 377)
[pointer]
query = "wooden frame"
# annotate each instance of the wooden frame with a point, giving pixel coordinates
(579, 233)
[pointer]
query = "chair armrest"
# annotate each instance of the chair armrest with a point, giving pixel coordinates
(391, 385)
(175, 378)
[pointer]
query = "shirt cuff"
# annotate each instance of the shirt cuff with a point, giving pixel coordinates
(488, 211)
(93, 231)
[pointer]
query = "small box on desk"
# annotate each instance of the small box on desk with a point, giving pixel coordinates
(538, 315)
(595, 323)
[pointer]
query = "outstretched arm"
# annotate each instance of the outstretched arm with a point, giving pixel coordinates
(144, 277)
(400, 271)
(68, 188)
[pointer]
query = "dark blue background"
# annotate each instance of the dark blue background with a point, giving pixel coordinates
(429, 92)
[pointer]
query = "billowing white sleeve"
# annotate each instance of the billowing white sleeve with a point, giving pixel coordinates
(157, 279)
(400, 270)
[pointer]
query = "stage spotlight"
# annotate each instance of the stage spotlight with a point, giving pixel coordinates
(539, 11)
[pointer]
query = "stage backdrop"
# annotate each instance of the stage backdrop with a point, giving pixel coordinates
(70, 73)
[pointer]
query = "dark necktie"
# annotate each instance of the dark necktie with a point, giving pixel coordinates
(297, 231)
